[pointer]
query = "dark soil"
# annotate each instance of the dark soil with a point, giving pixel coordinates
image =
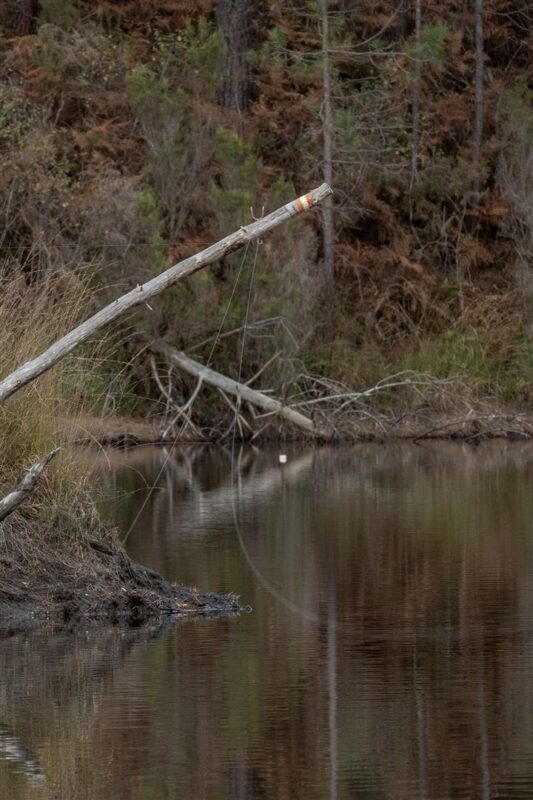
(124, 593)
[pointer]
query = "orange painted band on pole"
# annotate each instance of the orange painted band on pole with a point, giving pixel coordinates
(304, 203)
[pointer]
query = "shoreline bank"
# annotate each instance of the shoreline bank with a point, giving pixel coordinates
(425, 424)
(105, 586)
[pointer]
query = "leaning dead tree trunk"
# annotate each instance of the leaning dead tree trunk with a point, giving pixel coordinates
(26, 487)
(142, 294)
(236, 389)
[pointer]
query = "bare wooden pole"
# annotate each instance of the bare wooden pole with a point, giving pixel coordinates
(327, 215)
(26, 487)
(236, 389)
(142, 294)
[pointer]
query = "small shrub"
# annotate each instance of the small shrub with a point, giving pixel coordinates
(238, 186)
(64, 13)
(432, 47)
(179, 144)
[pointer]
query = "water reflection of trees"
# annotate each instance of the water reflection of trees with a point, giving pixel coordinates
(427, 552)
(53, 702)
(416, 682)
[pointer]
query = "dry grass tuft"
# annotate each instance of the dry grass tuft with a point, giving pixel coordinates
(61, 515)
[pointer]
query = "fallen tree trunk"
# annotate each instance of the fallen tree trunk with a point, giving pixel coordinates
(236, 389)
(26, 487)
(32, 369)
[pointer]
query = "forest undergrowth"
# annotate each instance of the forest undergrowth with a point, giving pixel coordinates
(133, 134)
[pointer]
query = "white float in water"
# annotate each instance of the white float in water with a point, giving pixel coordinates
(282, 458)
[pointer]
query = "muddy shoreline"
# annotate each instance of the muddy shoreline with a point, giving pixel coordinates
(123, 594)
(414, 425)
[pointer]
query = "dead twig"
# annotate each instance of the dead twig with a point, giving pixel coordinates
(26, 487)
(181, 411)
(390, 382)
(236, 410)
(262, 369)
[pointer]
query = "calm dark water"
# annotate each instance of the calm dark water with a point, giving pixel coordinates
(389, 653)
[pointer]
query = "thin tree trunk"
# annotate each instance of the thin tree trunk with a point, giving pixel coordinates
(26, 487)
(234, 20)
(415, 100)
(142, 294)
(399, 27)
(20, 15)
(327, 214)
(235, 389)
(478, 121)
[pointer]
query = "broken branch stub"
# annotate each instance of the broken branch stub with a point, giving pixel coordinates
(248, 233)
(26, 487)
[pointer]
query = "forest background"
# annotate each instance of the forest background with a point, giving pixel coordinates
(134, 133)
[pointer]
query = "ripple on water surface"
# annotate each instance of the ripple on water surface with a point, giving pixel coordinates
(389, 653)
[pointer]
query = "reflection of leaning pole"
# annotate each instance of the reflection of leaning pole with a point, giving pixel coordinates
(14, 752)
(201, 507)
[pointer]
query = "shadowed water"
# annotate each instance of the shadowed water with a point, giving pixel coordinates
(389, 653)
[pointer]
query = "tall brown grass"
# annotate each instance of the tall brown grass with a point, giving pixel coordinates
(33, 316)
(33, 422)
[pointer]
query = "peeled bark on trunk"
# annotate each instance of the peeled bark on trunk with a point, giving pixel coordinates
(236, 389)
(327, 214)
(26, 487)
(142, 294)
(234, 21)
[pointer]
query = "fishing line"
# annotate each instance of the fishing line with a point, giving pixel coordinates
(168, 454)
(265, 583)
(275, 593)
